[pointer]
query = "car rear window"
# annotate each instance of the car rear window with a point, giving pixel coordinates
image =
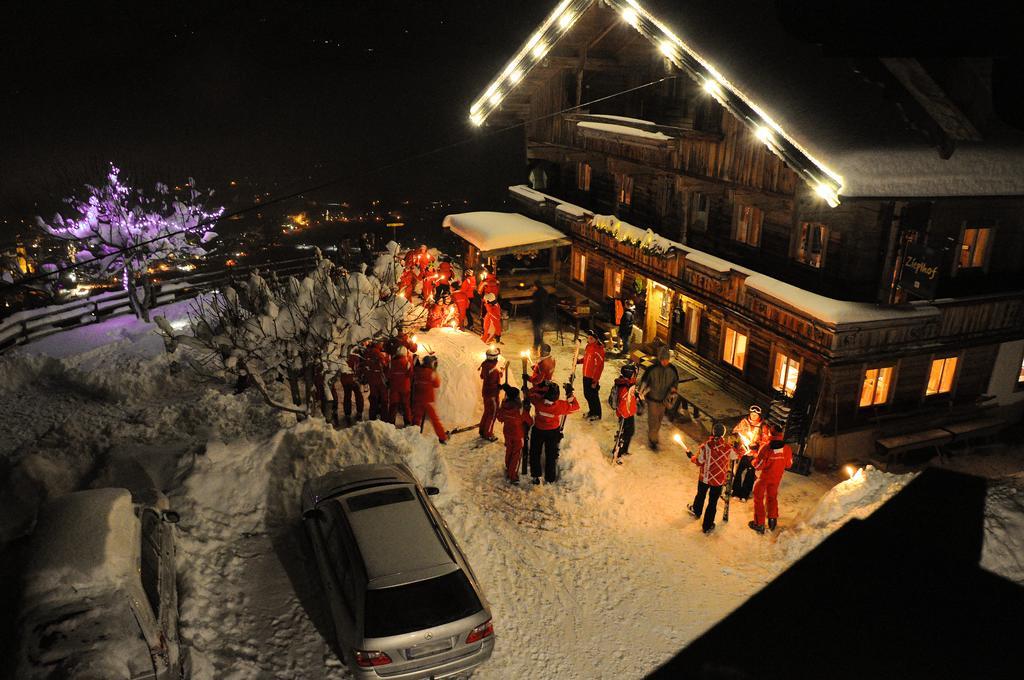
(415, 606)
(378, 498)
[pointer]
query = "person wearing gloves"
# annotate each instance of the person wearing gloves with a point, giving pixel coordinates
(515, 418)
(490, 374)
(657, 383)
(593, 365)
(492, 319)
(547, 433)
(544, 369)
(713, 458)
(624, 393)
(751, 432)
(771, 462)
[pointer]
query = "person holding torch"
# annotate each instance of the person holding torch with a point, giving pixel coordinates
(713, 458)
(750, 431)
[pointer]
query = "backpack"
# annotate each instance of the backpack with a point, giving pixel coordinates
(613, 397)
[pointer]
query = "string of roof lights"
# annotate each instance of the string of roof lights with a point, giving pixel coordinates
(826, 183)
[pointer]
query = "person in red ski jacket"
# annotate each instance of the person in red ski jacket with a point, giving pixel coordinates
(407, 282)
(377, 364)
(547, 434)
(461, 300)
(352, 382)
(593, 366)
(400, 385)
(429, 279)
(423, 259)
(713, 458)
(543, 370)
(469, 289)
(424, 385)
(492, 319)
(445, 273)
(515, 418)
(435, 315)
(771, 462)
(625, 408)
(405, 341)
(489, 283)
(410, 259)
(490, 374)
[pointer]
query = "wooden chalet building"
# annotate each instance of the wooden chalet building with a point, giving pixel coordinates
(847, 242)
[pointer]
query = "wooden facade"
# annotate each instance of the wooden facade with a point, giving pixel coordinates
(693, 172)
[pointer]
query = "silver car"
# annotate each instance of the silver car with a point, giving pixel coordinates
(99, 597)
(404, 601)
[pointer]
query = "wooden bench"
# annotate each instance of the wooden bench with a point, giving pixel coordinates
(893, 448)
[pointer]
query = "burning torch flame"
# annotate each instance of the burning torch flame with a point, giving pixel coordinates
(851, 471)
(525, 354)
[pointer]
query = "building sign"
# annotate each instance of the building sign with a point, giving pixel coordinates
(919, 271)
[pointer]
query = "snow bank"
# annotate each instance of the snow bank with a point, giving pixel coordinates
(855, 498)
(496, 230)
(616, 129)
(458, 401)
(1003, 550)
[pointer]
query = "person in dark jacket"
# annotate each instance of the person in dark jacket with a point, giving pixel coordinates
(626, 326)
(539, 312)
(658, 382)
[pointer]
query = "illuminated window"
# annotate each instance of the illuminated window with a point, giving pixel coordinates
(748, 225)
(875, 388)
(692, 324)
(665, 309)
(811, 247)
(785, 374)
(579, 266)
(974, 246)
(625, 189)
(612, 281)
(1020, 378)
(940, 378)
(583, 176)
(734, 351)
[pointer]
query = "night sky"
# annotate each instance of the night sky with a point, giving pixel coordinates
(289, 92)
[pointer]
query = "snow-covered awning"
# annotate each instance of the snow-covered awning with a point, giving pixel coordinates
(497, 233)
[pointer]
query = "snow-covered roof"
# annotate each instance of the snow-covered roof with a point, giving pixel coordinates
(837, 130)
(540, 197)
(616, 129)
(84, 541)
(498, 233)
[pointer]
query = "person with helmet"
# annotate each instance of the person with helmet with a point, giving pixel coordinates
(771, 462)
(547, 433)
(658, 382)
(492, 319)
(425, 383)
(624, 391)
(750, 431)
(593, 366)
(400, 385)
(352, 380)
(490, 374)
(544, 369)
(713, 458)
(489, 282)
(514, 415)
(377, 365)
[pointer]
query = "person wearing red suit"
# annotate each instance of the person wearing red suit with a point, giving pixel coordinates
(469, 289)
(515, 418)
(400, 385)
(713, 458)
(625, 409)
(435, 315)
(593, 365)
(377, 364)
(407, 282)
(547, 434)
(543, 370)
(461, 301)
(772, 460)
(423, 259)
(351, 382)
(429, 282)
(424, 386)
(492, 319)
(410, 259)
(490, 374)
(489, 284)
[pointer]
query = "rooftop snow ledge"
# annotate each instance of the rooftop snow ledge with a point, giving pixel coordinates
(615, 129)
(494, 231)
(540, 197)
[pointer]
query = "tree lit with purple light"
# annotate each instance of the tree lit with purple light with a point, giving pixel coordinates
(121, 231)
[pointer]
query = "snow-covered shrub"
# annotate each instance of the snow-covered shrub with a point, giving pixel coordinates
(120, 231)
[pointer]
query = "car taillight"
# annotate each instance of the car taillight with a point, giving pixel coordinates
(370, 659)
(480, 632)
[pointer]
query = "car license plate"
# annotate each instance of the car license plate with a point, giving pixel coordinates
(420, 651)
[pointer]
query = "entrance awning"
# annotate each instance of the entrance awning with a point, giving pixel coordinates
(496, 233)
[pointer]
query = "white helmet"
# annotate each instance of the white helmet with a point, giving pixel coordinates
(402, 351)
(493, 352)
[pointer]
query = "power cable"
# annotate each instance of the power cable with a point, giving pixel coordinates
(24, 282)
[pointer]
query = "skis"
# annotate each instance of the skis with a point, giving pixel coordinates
(616, 449)
(728, 490)
(572, 378)
(460, 430)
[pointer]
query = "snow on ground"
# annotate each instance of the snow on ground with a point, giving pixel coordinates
(580, 575)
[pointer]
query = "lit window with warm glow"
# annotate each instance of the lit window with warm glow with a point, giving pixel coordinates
(785, 374)
(748, 225)
(692, 324)
(1020, 378)
(625, 192)
(874, 391)
(974, 247)
(579, 267)
(940, 378)
(583, 171)
(612, 282)
(734, 350)
(810, 249)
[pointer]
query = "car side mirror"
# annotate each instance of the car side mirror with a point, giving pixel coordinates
(431, 490)
(170, 516)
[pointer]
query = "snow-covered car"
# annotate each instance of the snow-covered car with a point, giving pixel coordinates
(404, 601)
(99, 594)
